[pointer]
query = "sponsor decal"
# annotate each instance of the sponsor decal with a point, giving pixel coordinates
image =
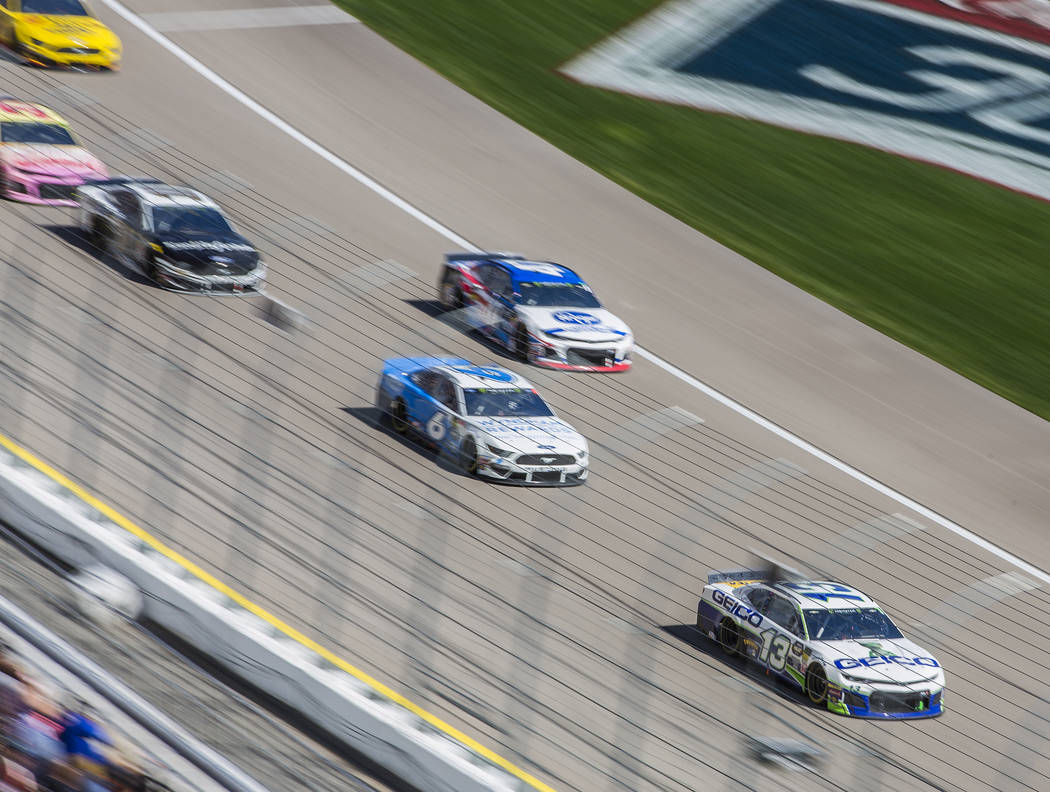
(960, 83)
(218, 246)
(487, 373)
(877, 660)
(576, 318)
(736, 607)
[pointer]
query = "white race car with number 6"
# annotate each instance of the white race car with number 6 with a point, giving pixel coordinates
(489, 419)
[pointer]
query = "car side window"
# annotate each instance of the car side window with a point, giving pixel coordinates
(759, 599)
(780, 610)
(424, 380)
(504, 287)
(794, 623)
(485, 275)
(446, 393)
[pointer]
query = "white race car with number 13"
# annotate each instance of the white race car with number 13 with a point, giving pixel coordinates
(829, 639)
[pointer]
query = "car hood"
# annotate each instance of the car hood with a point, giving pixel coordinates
(210, 255)
(881, 660)
(76, 30)
(575, 324)
(52, 160)
(532, 435)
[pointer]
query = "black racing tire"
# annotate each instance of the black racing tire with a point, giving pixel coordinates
(468, 456)
(729, 637)
(149, 267)
(521, 344)
(451, 296)
(398, 417)
(97, 234)
(817, 684)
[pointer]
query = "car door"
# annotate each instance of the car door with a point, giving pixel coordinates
(122, 203)
(429, 407)
(779, 632)
(505, 314)
(487, 308)
(136, 242)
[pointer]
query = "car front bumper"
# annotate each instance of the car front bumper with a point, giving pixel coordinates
(41, 188)
(217, 285)
(608, 357)
(886, 702)
(83, 59)
(510, 472)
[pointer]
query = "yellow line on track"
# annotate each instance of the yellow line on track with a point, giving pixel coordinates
(268, 617)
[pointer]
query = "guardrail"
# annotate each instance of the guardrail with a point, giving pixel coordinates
(233, 632)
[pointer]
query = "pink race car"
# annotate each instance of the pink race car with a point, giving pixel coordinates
(40, 160)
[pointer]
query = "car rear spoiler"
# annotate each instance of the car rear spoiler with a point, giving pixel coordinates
(770, 571)
(738, 575)
(123, 180)
(453, 257)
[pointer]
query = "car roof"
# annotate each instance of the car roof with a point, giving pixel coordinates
(21, 111)
(490, 377)
(525, 271)
(823, 594)
(159, 194)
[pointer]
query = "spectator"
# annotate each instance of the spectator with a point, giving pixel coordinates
(79, 735)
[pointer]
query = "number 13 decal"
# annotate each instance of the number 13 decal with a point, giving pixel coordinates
(775, 648)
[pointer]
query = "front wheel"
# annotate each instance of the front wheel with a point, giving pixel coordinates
(398, 416)
(817, 684)
(468, 457)
(729, 637)
(521, 344)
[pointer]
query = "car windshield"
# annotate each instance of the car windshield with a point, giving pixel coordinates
(557, 295)
(189, 220)
(504, 402)
(32, 132)
(54, 7)
(849, 624)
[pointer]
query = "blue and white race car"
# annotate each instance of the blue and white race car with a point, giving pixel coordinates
(490, 419)
(542, 312)
(829, 639)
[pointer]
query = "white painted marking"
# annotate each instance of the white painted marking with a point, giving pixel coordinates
(285, 127)
(463, 242)
(242, 19)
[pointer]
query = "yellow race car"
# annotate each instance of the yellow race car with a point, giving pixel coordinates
(58, 33)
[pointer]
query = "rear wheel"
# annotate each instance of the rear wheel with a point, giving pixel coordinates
(729, 637)
(451, 295)
(398, 416)
(468, 456)
(817, 684)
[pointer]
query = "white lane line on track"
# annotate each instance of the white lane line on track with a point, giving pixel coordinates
(235, 92)
(244, 18)
(452, 236)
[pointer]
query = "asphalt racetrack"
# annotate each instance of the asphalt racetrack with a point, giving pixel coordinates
(551, 625)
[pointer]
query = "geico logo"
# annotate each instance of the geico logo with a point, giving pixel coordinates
(1012, 97)
(868, 662)
(736, 608)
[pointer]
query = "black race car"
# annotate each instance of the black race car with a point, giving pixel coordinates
(176, 236)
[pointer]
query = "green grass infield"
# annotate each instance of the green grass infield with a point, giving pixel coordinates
(948, 265)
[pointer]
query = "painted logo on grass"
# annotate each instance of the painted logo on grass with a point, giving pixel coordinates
(960, 83)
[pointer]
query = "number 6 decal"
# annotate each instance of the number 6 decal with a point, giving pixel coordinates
(437, 427)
